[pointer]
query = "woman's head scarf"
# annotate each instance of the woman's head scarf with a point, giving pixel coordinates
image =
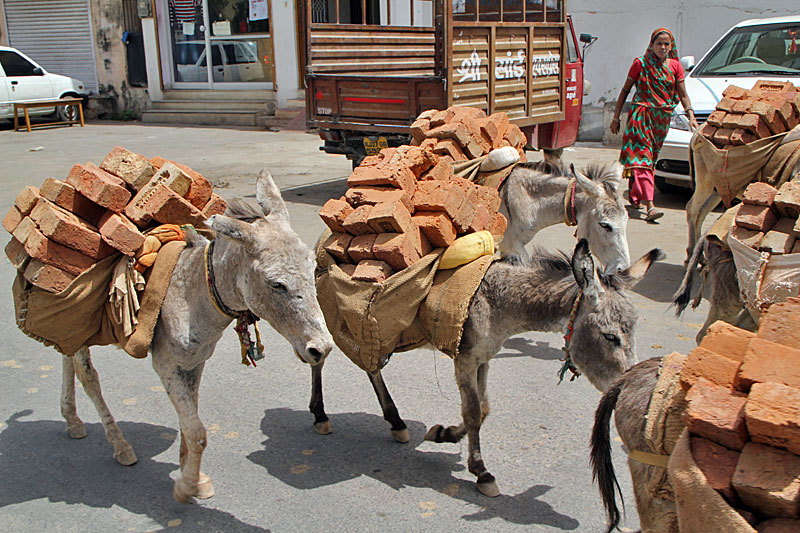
(673, 53)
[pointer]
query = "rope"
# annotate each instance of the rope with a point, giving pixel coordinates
(569, 204)
(567, 337)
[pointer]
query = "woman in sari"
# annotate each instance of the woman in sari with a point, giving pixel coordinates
(658, 76)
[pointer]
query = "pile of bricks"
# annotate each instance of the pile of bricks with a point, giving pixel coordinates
(742, 116)
(743, 415)
(403, 202)
(64, 227)
(767, 220)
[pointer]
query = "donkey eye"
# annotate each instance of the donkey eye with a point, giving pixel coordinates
(278, 286)
(605, 225)
(610, 337)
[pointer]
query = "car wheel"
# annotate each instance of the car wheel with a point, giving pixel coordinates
(668, 188)
(66, 113)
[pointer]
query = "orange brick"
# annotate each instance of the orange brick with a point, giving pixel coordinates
(215, 205)
(708, 131)
(742, 107)
(768, 479)
(52, 253)
(24, 229)
(150, 198)
(735, 93)
(357, 222)
(47, 277)
(15, 251)
(498, 226)
(702, 363)
(372, 270)
(769, 115)
(168, 207)
(481, 221)
(66, 228)
(419, 160)
(464, 216)
(781, 323)
(749, 237)
(441, 117)
(134, 169)
(441, 171)
(500, 123)
(716, 118)
(449, 147)
(515, 136)
(99, 187)
(26, 199)
(753, 123)
(740, 137)
(774, 86)
(419, 130)
(724, 339)
(759, 193)
(394, 175)
(390, 217)
(768, 361)
(12, 219)
(334, 213)
(780, 239)
(437, 227)
(787, 200)
(120, 233)
(723, 136)
(716, 413)
(755, 217)
(726, 104)
(64, 195)
(360, 247)
(717, 463)
(336, 245)
(368, 195)
(397, 249)
(435, 195)
(772, 413)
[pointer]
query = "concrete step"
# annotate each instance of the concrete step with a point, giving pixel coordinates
(212, 105)
(204, 94)
(295, 102)
(288, 113)
(206, 118)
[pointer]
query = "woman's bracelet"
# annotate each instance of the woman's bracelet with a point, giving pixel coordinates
(615, 118)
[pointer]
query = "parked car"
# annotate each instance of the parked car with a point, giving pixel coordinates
(22, 79)
(751, 50)
(231, 61)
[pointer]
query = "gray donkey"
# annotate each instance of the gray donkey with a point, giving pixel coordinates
(540, 294)
(541, 194)
(261, 266)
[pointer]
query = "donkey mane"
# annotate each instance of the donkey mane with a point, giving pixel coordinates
(605, 174)
(243, 210)
(558, 263)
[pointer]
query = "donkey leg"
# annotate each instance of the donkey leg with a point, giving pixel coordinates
(82, 361)
(439, 433)
(317, 407)
(205, 489)
(467, 380)
(390, 414)
(702, 202)
(75, 427)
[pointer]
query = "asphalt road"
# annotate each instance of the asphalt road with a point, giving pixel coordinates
(270, 470)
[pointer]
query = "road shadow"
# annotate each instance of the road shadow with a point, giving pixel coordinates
(38, 460)
(361, 445)
(661, 282)
(315, 193)
(525, 347)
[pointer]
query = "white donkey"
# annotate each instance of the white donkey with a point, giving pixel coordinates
(260, 265)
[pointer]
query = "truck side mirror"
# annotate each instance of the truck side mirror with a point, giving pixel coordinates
(687, 62)
(587, 38)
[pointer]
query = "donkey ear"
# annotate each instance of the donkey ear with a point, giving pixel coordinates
(230, 227)
(587, 185)
(269, 196)
(634, 273)
(585, 273)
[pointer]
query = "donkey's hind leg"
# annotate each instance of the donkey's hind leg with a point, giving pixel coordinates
(75, 427)
(390, 414)
(471, 411)
(439, 433)
(82, 360)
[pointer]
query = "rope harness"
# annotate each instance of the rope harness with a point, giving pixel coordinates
(570, 217)
(250, 352)
(567, 337)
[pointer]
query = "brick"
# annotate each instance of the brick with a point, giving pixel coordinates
(465, 215)
(481, 221)
(749, 237)
(336, 245)
(724, 339)
(500, 123)
(441, 171)
(753, 123)
(726, 104)
(158, 161)
(498, 226)
(717, 463)
(65, 195)
(449, 147)
(357, 222)
(444, 196)
(723, 136)
(120, 233)
(787, 201)
(15, 251)
(780, 239)
(24, 229)
(360, 247)
(167, 207)
(740, 137)
(769, 115)
(515, 136)
(390, 217)
(390, 175)
(334, 213)
(755, 217)
(768, 479)
(772, 413)
(140, 209)
(419, 160)
(437, 228)
(735, 93)
(26, 199)
(96, 185)
(134, 169)
(465, 113)
(716, 413)
(52, 253)
(741, 107)
(442, 117)
(419, 130)
(759, 193)
(47, 277)
(348, 268)
(779, 525)
(708, 131)
(372, 270)
(421, 242)
(716, 118)
(714, 367)
(427, 114)
(200, 190)
(454, 130)
(216, 205)
(368, 195)
(397, 249)
(68, 229)
(774, 86)
(780, 323)
(12, 219)
(769, 361)
(783, 108)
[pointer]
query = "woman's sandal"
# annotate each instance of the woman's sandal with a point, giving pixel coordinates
(627, 196)
(653, 214)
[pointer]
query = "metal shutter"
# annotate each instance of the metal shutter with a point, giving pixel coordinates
(57, 34)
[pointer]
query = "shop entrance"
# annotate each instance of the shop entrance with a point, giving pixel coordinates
(219, 44)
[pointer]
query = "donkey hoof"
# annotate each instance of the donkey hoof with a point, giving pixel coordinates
(77, 431)
(181, 493)
(125, 455)
(205, 489)
(434, 434)
(487, 485)
(323, 428)
(401, 435)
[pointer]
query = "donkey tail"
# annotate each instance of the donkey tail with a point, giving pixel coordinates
(602, 467)
(683, 295)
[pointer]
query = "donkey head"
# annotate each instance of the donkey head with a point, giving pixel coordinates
(602, 345)
(603, 220)
(274, 269)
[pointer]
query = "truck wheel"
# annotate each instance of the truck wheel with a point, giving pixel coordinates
(357, 161)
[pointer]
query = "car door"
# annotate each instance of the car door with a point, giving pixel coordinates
(24, 79)
(5, 99)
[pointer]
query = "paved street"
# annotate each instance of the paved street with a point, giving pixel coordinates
(270, 470)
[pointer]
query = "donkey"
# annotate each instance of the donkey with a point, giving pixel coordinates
(261, 266)
(540, 294)
(541, 194)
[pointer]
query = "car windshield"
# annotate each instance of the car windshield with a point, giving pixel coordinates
(754, 50)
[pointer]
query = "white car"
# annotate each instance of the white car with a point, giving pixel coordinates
(750, 51)
(22, 79)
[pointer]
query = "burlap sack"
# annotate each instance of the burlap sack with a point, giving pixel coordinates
(700, 508)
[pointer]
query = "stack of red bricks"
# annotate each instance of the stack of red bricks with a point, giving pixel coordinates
(403, 202)
(64, 227)
(767, 220)
(742, 116)
(744, 415)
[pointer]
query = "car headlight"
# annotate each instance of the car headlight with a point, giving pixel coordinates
(679, 121)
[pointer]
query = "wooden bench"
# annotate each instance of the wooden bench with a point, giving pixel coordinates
(56, 102)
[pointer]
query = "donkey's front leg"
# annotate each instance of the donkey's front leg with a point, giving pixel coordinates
(317, 406)
(466, 370)
(390, 414)
(182, 388)
(82, 361)
(75, 426)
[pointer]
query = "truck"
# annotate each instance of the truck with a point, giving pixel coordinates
(372, 66)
